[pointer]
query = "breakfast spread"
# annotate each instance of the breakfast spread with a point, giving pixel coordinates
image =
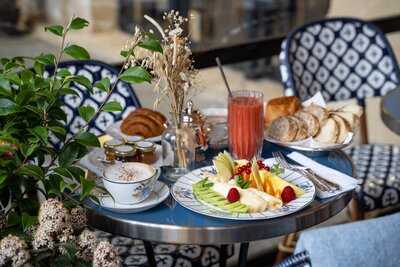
(144, 122)
(242, 186)
(325, 126)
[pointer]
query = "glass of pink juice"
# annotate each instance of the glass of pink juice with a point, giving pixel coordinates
(245, 124)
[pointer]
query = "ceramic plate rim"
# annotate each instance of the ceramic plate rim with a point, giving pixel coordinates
(138, 207)
(310, 149)
(311, 193)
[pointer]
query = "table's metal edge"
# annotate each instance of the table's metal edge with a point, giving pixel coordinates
(222, 235)
(259, 230)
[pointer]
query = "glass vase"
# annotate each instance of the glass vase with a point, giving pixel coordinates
(179, 148)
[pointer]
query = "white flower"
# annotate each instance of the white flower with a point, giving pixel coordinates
(13, 251)
(106, 256)
(86, 243)
(78, 218)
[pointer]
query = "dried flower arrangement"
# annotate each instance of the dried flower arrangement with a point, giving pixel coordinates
(173, 69)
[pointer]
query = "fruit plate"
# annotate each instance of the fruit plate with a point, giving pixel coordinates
(182, 191)
(115, 131)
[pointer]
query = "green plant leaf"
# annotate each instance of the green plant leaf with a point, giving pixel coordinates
(58, 130)
(86, 112)
(3, 178)
(7, 107)
(28, 149)
(63, 73)
(136, 74)
(77, 52)
(68, 91)
(26, 76)
(124, 53)
(38, 67)
(87, 139)
(112, 106)
(103, 84)
(46, 59)
(13, 219)
(28, 221)
(81, 80)
(87, 187)
(55, 29)
(78, 23)
(41, 132)
(5, 84)
(32, 171)
(150, 42)
(70, 153)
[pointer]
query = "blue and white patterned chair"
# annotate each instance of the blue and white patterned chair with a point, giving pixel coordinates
(347, 58)
(131, 251)
(95, 71)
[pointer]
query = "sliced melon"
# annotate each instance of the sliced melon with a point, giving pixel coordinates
(229, 159)
(223, 171)
(278, 184)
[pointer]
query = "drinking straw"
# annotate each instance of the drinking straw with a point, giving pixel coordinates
(223, 75)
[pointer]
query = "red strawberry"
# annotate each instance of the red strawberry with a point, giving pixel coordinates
(288, 194)
(233, 195)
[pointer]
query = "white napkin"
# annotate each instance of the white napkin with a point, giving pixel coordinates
(345, 181)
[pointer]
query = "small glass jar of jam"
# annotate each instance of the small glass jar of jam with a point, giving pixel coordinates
(125, 153)
(132, 140)
(146, 152)
(109, 148)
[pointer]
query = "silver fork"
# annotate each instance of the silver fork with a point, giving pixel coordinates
(282, 161)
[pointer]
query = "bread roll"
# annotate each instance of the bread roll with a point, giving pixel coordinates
(302, 129)
(319, 112)
(352, 120)
(311, 122)
(281, 106)
(283, 129)
(144, 122)
(352, 108)
(328, 133)
(344, 128)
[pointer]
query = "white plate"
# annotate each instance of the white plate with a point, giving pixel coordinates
(159, 194)
(182, 191)
(310, 145)
(115, 131)
(92, 160)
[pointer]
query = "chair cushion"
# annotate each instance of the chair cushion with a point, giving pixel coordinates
(132, 252)
(378, 167)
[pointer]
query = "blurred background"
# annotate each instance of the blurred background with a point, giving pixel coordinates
(214, 24)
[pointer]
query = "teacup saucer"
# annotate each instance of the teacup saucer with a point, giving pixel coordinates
(159, 194)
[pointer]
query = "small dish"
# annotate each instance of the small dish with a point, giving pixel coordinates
(126, 191)
(158, 195)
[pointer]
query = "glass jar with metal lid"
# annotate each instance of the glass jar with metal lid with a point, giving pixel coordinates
(146, 152)
(125, 153)
(109, 148)
(132, 140)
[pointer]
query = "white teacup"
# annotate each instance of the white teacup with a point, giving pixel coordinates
(130, 182)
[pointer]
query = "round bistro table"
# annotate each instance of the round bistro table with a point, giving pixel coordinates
(390, 110)
(169, 222)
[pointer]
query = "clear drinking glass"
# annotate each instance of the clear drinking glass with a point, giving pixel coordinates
(245, 124)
